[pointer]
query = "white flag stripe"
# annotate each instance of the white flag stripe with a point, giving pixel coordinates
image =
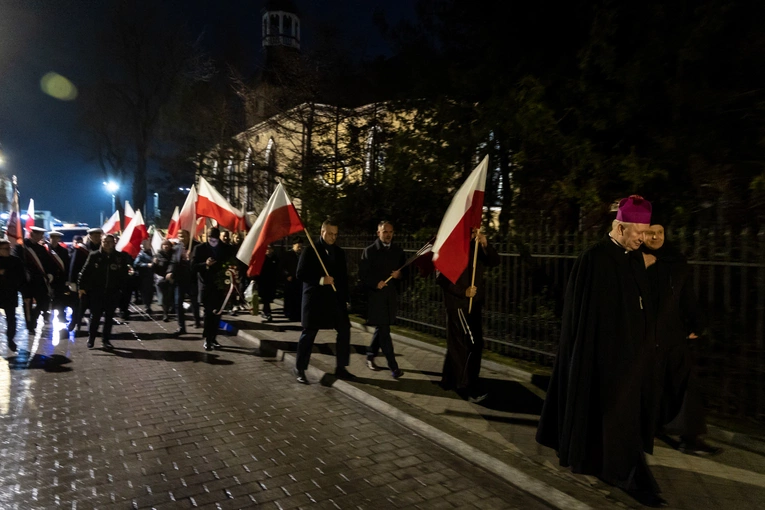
(278, 199)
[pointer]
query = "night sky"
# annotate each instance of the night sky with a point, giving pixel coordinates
(39, 134)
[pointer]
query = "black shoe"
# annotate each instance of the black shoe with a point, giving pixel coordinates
(647, 498)
(165, 318)
(108, 345)
(11, 345)
(179, 332)
(699, 448)
(215, 344)
(125, 316)
(301, 377)
(371, 365)
(208, 346)
(397, 373)
(91, 343)
(197, 324)
(342, 373)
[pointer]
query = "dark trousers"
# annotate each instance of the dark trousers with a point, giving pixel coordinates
(10, 319)
(213, 301)
(464, 349)
(292, 299)
(147, 290)
(181, 291)
(102, 305)
(343, 343)
(266, 307)
(381, 340)
(38, 293)
(78, 310)
(165, 294)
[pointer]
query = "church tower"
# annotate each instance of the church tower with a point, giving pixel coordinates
(281, 27)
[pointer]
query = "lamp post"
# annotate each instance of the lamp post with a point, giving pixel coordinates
(112, 187)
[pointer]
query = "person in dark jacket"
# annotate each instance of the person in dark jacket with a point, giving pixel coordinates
(597, 412)
(181, 273)
(464, 331)
(165, 288)
(292, 287)
(39, 270)
(78, 255)
(144, 266)
(380, 262)
(62, 296)
(325, 298)
(268, 280)
(102, 278)
(210, 261)
(11, 281)
(678, 404)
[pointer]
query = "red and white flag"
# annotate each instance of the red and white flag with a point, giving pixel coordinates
(129, 214)
(134, 234)
(277, 220)
(451, 251)
(156, 242)
(13, 228)
(212, 204)
(30, 216)
(174, 227)
(187, 218)
(112, 225)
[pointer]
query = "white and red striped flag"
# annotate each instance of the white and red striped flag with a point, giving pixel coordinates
(134, 234)
(129, 214)
(30, 216)
(277, 220)
(187, 218)
(112, 225)
(212, 204)
(451, 251)
(174, 227)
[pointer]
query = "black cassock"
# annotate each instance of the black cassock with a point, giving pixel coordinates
(598, 411)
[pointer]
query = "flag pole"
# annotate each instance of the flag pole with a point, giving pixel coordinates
(310, 240)
(475, 260)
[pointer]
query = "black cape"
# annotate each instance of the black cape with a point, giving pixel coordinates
(597, 412)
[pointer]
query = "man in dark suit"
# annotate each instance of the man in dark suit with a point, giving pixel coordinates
(60, 257)
(380, 262)
(39, 275)
(292, 287)
(11, 281)
(209, 262)
(78, 255)
(325, 298)
(181, 274)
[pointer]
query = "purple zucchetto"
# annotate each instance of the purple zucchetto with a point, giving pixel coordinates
(634, 209)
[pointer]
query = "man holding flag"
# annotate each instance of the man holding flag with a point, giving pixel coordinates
(39, 270)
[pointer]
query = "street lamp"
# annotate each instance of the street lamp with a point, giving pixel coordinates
(112, 187)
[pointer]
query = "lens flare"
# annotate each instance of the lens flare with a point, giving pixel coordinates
(59, 87)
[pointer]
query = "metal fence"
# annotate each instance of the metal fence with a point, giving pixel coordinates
(525, 293)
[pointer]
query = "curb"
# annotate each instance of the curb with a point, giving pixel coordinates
(743, 441)
(516, 477)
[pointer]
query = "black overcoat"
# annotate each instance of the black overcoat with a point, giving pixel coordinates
(597, 413)
(269, 277)
(11, 280)
(377, 263)
(211, 287)
(320, 302)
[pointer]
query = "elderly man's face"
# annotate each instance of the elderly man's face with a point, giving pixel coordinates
(95, 237)
(632, 235)
(654, 237)
(329, 234)
(385, 233)
(54, 240)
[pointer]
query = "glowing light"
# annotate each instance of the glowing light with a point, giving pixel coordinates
(112, 187)
(58, 87)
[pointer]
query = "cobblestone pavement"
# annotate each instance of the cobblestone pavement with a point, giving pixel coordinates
(505, 424)
(160, 423)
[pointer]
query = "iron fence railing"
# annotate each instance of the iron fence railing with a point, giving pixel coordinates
(525, 297)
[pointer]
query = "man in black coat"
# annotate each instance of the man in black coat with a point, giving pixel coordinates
(381, 261)
(60, 257)
(11, 280)
(268, 280)
(209, 262)
(292, 286)
(325, 298)
(102, 278)
(597, 414)
(464, 328)
(39, 274)
(678, 404)
(181, 273)
(78, 255)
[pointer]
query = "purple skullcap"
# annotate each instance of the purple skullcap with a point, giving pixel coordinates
(634, 209)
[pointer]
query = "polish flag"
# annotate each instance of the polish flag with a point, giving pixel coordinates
(112, 226)
(156, 242)
(187, 218)
(174, 227)
(451, 251)
(129, 214)
(134, 234)
(13, 227)
(212, 204)
(277, 220)
(30, 216)
(201, 224)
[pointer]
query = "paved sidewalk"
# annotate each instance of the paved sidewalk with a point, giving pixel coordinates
(498, 434)
(160, 423)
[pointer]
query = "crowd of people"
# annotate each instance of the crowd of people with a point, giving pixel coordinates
(623, 373)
